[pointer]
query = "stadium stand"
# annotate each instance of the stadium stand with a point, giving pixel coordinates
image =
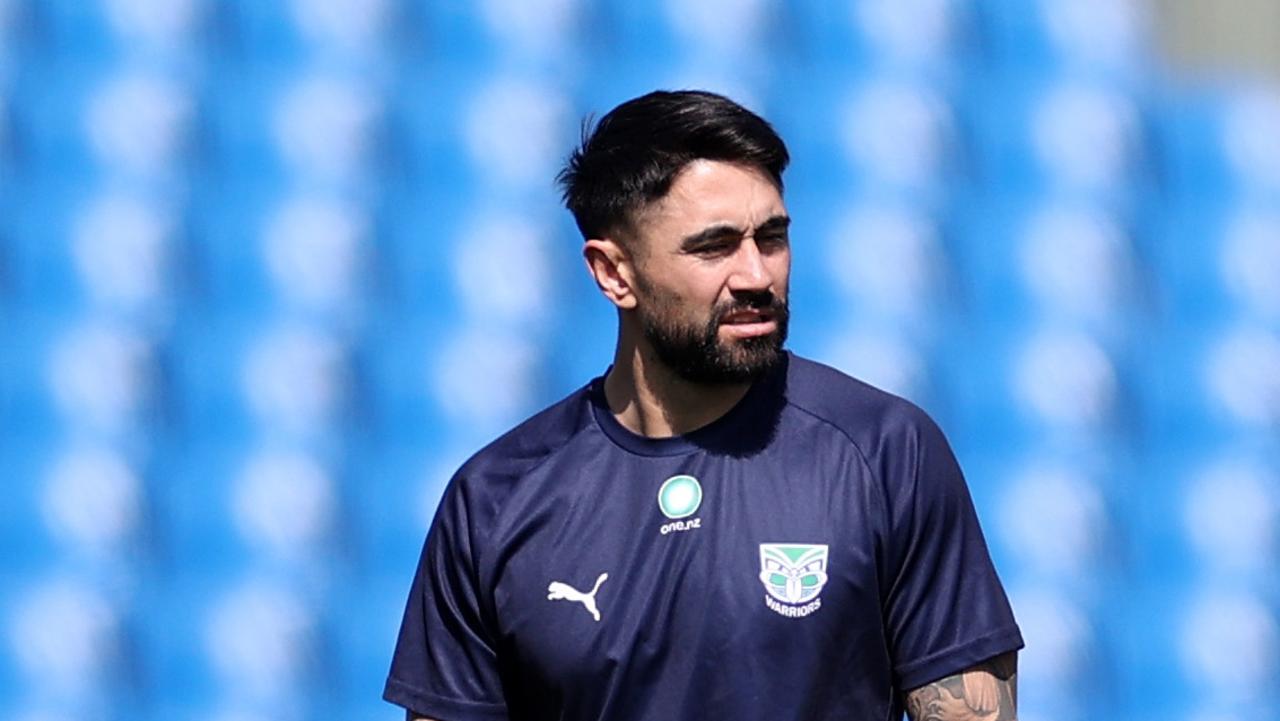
(271, 269)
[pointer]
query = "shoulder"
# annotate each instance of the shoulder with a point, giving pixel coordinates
(482, 487)
(482, 484)
(905, 451)
(533, 441)
(869, 417)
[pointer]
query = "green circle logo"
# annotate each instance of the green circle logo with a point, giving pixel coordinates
(680, 496)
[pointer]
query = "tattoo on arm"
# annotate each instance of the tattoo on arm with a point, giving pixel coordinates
(986, 692)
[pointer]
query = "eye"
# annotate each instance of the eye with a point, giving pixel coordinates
(775, 240)
(716, 248)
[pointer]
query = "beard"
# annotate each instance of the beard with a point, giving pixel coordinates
(695, 352)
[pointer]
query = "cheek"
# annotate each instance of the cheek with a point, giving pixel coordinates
(659, 299)
(780, 271)
(690, 293)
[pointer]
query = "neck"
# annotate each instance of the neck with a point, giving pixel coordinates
(650, 400)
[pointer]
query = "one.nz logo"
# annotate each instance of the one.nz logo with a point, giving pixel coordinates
(678, 499)
(793, 575)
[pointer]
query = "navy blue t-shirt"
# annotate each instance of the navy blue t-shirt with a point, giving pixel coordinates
(809, 555)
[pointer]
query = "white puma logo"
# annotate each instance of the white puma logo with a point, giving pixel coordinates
(563, 591)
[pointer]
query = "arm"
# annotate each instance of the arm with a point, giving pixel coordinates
(444, 665)
(986, 692)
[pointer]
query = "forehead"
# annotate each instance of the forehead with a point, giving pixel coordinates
(712, 192)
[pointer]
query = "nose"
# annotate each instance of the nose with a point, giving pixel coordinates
(749, 272)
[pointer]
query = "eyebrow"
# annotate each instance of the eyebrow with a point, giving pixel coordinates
(724, 230)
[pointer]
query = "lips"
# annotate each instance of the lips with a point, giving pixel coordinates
(746, 317)
(748, 324)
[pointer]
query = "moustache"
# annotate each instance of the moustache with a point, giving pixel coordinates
(759, 301)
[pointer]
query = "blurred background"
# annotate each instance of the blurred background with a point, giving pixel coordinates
(271, 269)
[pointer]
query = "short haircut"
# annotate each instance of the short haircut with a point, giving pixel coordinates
(632, 156)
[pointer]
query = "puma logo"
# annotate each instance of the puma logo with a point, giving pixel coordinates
(562, 591)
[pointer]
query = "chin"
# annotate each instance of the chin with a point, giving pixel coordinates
(750, 360)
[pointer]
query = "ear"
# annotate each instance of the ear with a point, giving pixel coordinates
(611, 266)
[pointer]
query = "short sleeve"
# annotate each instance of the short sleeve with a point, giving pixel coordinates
(945, 609)
(445, 665)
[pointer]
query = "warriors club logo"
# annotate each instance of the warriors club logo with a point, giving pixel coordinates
(793, 575)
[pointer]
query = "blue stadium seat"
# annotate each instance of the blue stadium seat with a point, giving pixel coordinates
(652, 29)
(477, 254)
(200, 531)
(76, 119)
(235, 639)
(810, 118)
(1187, 132)
(1061, 134)
(289, 32)
(460, 383)
(1139, 623)
(537, 34)
(1248, 148)
(584, 328)
(264, 505)
(301, 127)
(1209, 384)
(930, 36)
(1215, 260)
(1184, 256)
(94, 501)
(234, 376)
(6, 137)
(267, 32)
(263, 250)
(115, 253)
(366, 622)
(393, 490)
(1098, 37)
(871, 236)
(1052, 518)
(235, 103)
(445, 126)
(22, 525)
(58, 364)
(394, 361)
(40, 271)
(14, 29)
(65, 27)
(1062, 652)
(1230, 627)
(900, 134)
(150, 30)
(47, 101)
(226, 256)
(68, 640)
(1016, 384)
(1054, 260)
(866, 350)
(172, 645)
(1247, 251)
(1228, 513)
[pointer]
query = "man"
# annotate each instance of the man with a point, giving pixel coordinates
(715, 529)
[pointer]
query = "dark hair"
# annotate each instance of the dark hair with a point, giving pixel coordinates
(635, 152)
